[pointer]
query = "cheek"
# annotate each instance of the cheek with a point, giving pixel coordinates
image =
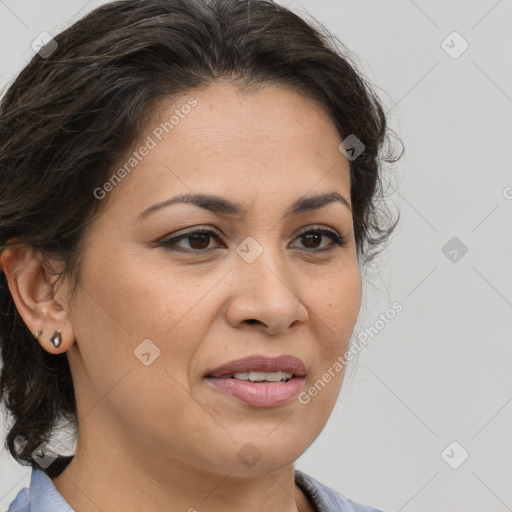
(132, 303)
(335, 315)
(113, 316)
(335, 308)
(146, 299)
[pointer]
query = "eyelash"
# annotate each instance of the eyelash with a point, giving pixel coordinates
(337, 239)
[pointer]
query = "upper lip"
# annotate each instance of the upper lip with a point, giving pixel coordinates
(259, 363)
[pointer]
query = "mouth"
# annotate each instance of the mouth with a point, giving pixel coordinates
(258, 368)
(260, 376)
(259, 381)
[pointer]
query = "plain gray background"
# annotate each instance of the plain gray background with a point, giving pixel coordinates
(439, 372)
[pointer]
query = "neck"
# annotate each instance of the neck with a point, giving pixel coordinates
(103, 476)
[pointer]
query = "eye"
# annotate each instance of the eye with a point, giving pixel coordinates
(312, 236)
(198, 240)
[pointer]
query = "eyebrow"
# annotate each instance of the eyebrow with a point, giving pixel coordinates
(217, 204)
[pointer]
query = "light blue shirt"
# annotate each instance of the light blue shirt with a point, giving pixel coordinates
(42, 496)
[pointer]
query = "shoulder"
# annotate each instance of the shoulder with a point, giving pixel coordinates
(20, 502)
(41, 496)
(327, 499)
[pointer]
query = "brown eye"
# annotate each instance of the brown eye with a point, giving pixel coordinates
(312, 239)
(198, 240)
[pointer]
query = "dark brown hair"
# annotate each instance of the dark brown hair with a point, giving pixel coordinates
(70, 117)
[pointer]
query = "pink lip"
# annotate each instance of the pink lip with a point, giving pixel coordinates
(258, 363)
(259, 394)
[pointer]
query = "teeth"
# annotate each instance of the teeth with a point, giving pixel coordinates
(262, 376)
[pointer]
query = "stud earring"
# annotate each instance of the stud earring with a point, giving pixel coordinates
(56, 339)
(37, 334)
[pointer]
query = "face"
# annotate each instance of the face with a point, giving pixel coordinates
(157, 309)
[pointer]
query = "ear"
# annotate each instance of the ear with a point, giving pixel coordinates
(42, 307)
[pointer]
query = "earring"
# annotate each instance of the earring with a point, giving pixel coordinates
(56, 339)
(37, 334)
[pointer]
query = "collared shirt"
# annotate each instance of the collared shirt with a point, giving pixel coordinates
(42, 496)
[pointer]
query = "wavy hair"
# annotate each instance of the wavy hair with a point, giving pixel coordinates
(69, 117)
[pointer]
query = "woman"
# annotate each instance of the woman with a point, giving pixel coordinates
(188, 190)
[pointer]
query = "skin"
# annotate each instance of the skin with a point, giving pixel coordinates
(157, 437)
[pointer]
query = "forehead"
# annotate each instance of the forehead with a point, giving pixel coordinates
(224, 140)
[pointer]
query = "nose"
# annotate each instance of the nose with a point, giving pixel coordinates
(266, 293)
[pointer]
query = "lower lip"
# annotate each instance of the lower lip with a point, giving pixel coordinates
(259, 394)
